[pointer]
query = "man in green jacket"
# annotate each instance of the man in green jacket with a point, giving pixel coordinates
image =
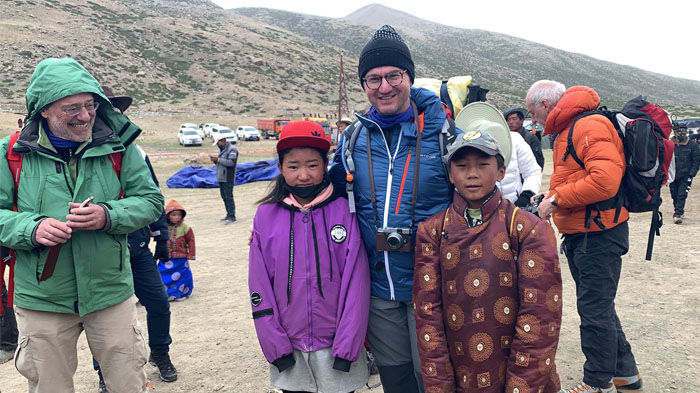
(70, 152)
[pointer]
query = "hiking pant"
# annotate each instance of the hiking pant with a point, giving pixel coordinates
(48, 356)
(679, 192)
(596, 272)
(391, 333)
(8, 324)
(151, 293)
(226, 190)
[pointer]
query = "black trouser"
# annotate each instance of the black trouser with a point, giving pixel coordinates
(596, 274)
(679, 192)
(226, 190)
(8, 324)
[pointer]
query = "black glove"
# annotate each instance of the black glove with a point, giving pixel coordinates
(524, 199)
(161, 251)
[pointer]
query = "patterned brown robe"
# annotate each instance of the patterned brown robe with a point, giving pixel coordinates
(488, 304)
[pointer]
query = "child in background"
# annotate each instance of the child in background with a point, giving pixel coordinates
(309, 275)
(487, 285)
(176, 273)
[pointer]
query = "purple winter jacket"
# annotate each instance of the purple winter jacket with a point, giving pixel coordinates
(315, 293)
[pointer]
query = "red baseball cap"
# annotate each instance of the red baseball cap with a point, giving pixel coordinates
(303, 134)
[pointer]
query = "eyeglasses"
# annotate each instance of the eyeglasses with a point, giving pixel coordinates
(74, 110)
(393, 78)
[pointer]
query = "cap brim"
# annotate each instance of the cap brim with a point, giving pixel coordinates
(121, 102)
(303, 141)
(476, 112)
(510, 111)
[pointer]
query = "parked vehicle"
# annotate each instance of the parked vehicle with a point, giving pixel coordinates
(247, 133)
(190, 126)
(207, 128)
(222, 130)
(271, 127)
(188, 137)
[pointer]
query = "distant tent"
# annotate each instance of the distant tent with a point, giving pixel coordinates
(691, 123)
(205, 177)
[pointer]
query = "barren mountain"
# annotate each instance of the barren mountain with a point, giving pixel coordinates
(193, 56)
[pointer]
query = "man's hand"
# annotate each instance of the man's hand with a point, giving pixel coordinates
(161, 252)
(51, 232)
(214, 158)
(546, 208)
(89, 218)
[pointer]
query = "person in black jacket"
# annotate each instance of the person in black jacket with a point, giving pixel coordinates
(148, 286)
(515, 118)
(687, 155)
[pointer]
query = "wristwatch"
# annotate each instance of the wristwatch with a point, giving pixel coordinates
(552, 200)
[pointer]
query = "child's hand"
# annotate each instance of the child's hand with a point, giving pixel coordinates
(250, 237)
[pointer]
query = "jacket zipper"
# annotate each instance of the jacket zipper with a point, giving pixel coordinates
(309, 320)
(387, 198)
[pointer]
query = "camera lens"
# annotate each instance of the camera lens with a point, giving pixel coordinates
(394, 240)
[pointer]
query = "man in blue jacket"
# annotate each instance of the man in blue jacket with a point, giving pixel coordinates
(399, 180)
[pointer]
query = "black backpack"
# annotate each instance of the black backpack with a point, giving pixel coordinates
(644, 129)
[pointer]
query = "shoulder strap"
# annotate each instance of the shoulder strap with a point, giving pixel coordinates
(14, 161)
(570, 151)
(445, 98)
(116, 160)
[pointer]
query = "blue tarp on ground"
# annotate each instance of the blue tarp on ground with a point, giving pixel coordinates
(205, 177)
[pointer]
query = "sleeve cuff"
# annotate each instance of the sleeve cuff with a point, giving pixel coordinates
(284, 362)
(108, 220)
(341, 364)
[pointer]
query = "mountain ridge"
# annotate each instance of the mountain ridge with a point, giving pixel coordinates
(194, 56)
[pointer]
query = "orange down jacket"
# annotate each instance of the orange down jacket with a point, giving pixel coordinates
(599, 147)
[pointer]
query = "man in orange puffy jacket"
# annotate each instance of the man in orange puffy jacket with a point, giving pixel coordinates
(593, 248)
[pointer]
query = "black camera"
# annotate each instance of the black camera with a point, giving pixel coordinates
(532, 208)
(394, 239)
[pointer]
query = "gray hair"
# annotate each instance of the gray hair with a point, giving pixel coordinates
(545, 90)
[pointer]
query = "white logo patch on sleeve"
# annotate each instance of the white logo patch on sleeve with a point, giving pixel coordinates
(339, 233)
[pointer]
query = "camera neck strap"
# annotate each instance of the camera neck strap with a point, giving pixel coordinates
(416, 169)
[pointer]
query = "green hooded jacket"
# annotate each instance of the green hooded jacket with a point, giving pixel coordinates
(93, 270)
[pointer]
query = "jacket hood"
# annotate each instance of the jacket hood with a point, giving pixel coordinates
(175, 205)
(576, 100)
(54, 79)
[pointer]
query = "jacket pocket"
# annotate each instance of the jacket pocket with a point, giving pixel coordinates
(24, 360)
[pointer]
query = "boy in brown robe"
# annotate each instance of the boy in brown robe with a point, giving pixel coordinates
(487, 285)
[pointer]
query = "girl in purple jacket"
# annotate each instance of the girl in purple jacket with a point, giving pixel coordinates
(308, 274)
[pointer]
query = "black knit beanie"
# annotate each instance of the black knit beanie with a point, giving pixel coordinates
(385, 48)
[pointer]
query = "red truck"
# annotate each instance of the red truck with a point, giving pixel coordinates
(271, 127)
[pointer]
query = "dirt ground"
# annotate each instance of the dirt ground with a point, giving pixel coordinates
(214, 342)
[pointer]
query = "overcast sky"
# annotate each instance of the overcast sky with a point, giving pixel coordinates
(658, 36)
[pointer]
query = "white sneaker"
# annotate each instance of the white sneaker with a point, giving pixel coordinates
(586, 388)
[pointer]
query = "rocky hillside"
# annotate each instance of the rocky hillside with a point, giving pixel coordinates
(193, 56)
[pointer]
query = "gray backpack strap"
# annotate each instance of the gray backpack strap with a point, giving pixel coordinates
(350, 134)
(447, 136)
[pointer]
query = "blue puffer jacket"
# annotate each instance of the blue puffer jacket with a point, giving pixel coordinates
(392, 272)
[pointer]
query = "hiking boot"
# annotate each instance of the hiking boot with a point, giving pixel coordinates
(230, 220)
(586, 388)
(677, 220)
(6, 355)
(633, 383)
(166, 370)
(225, 218)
